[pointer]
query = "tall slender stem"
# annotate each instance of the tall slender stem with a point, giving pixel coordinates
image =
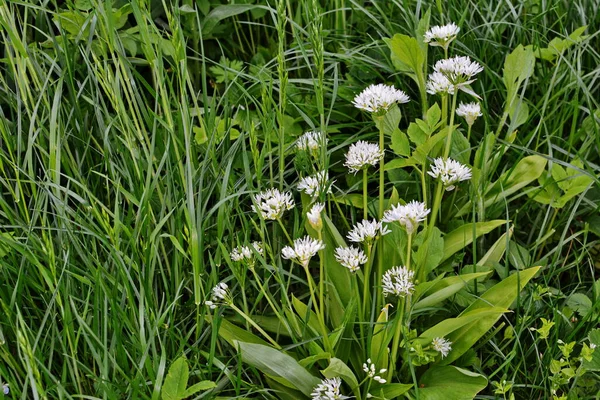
(311, 288)
(285, 231)
(322, 279)
(378, 299)
(365, 210)
(366, 287)
(408, 251)
(450, 127)
(255, 325)
(396, 342)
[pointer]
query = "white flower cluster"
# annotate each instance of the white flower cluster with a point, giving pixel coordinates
(369, 368)
(271, 204)
(398, 281)
(451, 74)
(304, 249)
(245, 252)
(450, 172)
(350, 257)
(442, 345)
(362, 154)
(441, 35)
(366, 231)
(469, 111)
(314, 215)
(311, 141)
(316, 184)
(379, 98)
(328, 389)
(408, 215)
(5, 388)
(220, 295)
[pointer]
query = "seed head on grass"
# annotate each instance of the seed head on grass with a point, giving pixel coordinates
(367, 231)
(398, 281)
(303, 250)
(328, 389)
(361, 155)
(442, 35)
(377, 99)
(350, 257)
(271, 204)
(450, 172)
(408, 215)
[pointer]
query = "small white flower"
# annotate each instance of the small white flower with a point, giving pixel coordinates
(442, 345)
(271, 204)
(311, 141)
(314, 215)
(328, 389)
(450, 172)
(244, 252)
(362, 154)
(5, 389)
(350, 257)
(469, 112)
(408, 215)
(220, 295)
(438, 83)
(367, 231)
(304, 249)
(592, 345)
(459, 70)
(398, 281)
(316, 184)
(369, 368)
(379, 98)
(441, 35)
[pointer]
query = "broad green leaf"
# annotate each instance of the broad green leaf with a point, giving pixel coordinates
(571, 179)
(518, 66)
(449, 325)
(73, 22)
(279, 365)
(391, 390)
(406, 54)
(518, 113)
(443, 383)
(400, 144)
(518, 256)
(232, 333)
(391, 120)
(222, 12)
(204, 385)
(429, 254)
(580, 303)
(594, 363)
(338, 368)
(308, 316)
(380, 340)
(501, 295)
(176, 381)
(461, 237)
(497, 250)
(336, 274)
(445, 288)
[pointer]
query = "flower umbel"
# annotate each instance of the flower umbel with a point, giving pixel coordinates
(271, 204)
(450, 172)
(245, 252)
(369, 368)
(398, 281)
(469, 111)
(362, 154)
(316, 184)
(366, 231)
(350, 257)
(314, 216)
(458, 73)
(442, 345)
(220, 295)
(311, 141)
(379, 98)
(441, 35)
(328, 389)
(438, 83)
(408, 215)
(304, 249)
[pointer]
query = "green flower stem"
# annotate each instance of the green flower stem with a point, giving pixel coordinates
(311, 288)
(408, 251)
(322, 279)
(450, 126)
(365, 210)
(354, 283)
(379, 300)
(267, 295)
(396, 342)
(469, 133)
(285, 231)
(255, 325)
(366, 296)
(437, 200)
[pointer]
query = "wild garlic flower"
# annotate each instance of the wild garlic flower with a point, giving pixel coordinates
(398, 281)
(314, 216)
(304, 249)
(441, 35)
(450, 172)
(366, 231)
(442, 345)
(362, 154)
(316, 184)
(379, 98)
(328, 389)
(220, 295)
(408, 215)
(311, 141)
(460, 70)
(469, 111)
(369, 368)
(5, 389)
(271, 204)
(245, 252)
(438, 83)
(350, 257)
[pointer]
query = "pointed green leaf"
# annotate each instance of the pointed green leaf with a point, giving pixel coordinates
(443, 383)
(461, 237)
(176, 380)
